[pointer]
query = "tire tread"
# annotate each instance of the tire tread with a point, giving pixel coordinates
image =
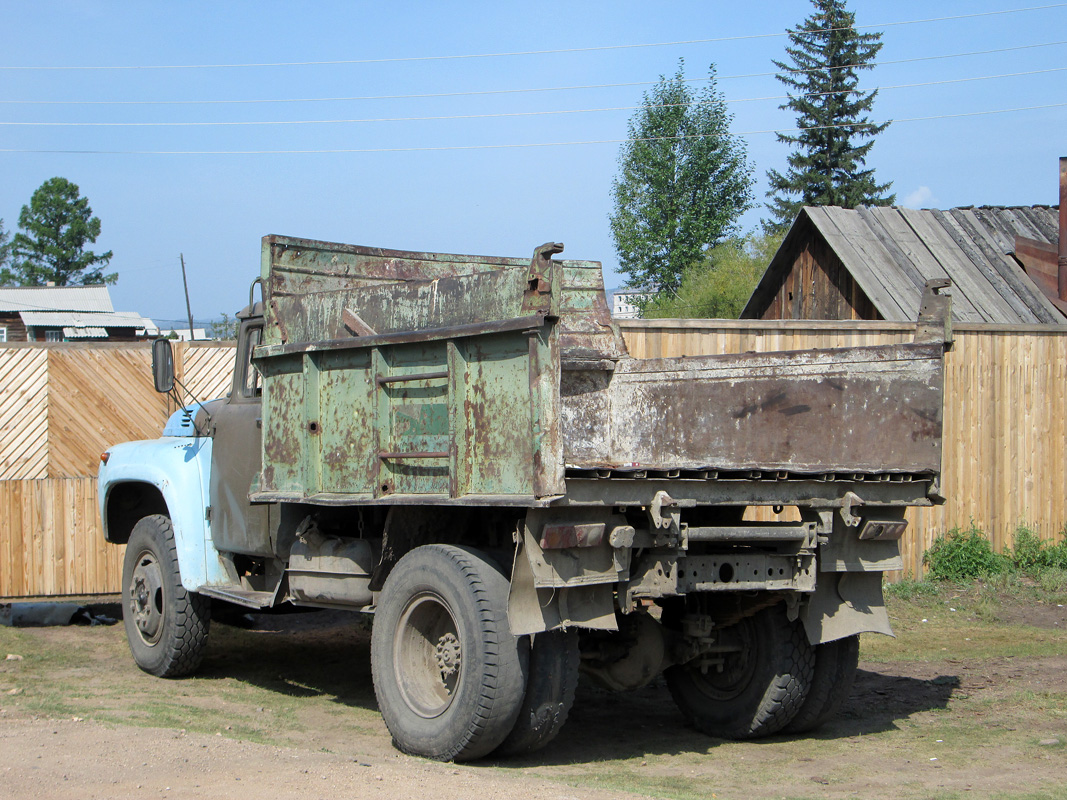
(182, 648)
(834, 674)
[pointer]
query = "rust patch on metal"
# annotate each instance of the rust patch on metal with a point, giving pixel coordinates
(560, 536)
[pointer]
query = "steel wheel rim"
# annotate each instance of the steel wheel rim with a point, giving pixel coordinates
(427, 655)
(146, 598)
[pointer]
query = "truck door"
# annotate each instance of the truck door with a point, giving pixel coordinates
(238, 526)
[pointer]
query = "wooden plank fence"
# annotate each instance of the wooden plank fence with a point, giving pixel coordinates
(61, 405)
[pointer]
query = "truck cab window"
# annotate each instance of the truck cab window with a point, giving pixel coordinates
(251, 385)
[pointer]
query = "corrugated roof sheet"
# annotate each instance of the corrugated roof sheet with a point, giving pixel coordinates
(69, 319)
(892, 252)
(55, 298)
(85, 333)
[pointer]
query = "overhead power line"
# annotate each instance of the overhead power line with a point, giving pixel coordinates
(512, 146)
(495, 115)
(485, 92)
(555, 51)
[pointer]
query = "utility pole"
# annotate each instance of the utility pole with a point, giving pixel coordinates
(188, 308)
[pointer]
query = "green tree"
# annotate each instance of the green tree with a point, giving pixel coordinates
(50, 245)
(223, 328)
(827, 165)
(719, 287)
(683, 182)
(5, 247)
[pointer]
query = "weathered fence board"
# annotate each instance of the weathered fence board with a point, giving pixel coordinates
(97, 398)
(23, 413)
(51, 543)
(61, 405)
(206, 369)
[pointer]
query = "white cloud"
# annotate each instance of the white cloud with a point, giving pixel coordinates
(920, 198)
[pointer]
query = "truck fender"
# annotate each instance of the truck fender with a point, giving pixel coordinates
(541, 599)
(178, 469)
(843, 604)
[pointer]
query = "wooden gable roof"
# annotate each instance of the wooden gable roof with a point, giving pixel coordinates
(891, 252)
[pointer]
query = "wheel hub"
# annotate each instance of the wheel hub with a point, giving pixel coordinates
(447, 654)
(146, 598)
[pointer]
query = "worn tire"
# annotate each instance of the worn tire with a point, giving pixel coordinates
(166, 625)
(550, 685)
(448, 674)
(762, 686)
(835, 672)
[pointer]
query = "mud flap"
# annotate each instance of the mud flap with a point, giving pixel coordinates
(534, 607)
(844, 604)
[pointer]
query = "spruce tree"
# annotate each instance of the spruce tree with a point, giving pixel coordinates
(829, 151)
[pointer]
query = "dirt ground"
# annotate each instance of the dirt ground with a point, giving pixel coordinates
(295, 718)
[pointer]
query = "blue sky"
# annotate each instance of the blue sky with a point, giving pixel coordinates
(493, 178)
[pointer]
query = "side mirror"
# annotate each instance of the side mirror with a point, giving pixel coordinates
(162, 365)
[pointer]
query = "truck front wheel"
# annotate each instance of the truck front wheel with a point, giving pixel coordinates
(753, 684)
(448, 674)
(166, 625)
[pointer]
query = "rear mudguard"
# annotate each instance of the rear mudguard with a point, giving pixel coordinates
(844, 604)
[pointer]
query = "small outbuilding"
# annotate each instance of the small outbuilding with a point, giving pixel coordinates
(872, 263)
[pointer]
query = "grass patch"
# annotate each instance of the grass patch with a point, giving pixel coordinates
(912, 590)
(933, 642)
(936, 621)
(258, 686)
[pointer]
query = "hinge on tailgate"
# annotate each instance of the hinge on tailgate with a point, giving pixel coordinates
(538, 295)
(935, 314)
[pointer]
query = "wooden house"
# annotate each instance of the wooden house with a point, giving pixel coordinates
(872, 263)
(65, 314)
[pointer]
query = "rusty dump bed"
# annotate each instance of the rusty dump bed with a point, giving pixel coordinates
(398, 377)
(864, 409)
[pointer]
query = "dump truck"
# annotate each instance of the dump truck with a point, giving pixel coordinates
(462, 447)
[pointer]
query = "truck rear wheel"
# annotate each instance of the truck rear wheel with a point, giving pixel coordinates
(448, 674)
(835, 672)
(166, 625)
(760, 685)
(550, 687)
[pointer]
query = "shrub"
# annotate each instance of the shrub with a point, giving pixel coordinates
(1027, 549)
(1032, 554)
(963, 555)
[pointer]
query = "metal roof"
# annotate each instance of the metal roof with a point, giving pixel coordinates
(85, 333)
(55, 298)
(76, 319)
(891, 252)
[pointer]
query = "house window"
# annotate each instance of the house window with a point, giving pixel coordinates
(53, 336)
(3, 333)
